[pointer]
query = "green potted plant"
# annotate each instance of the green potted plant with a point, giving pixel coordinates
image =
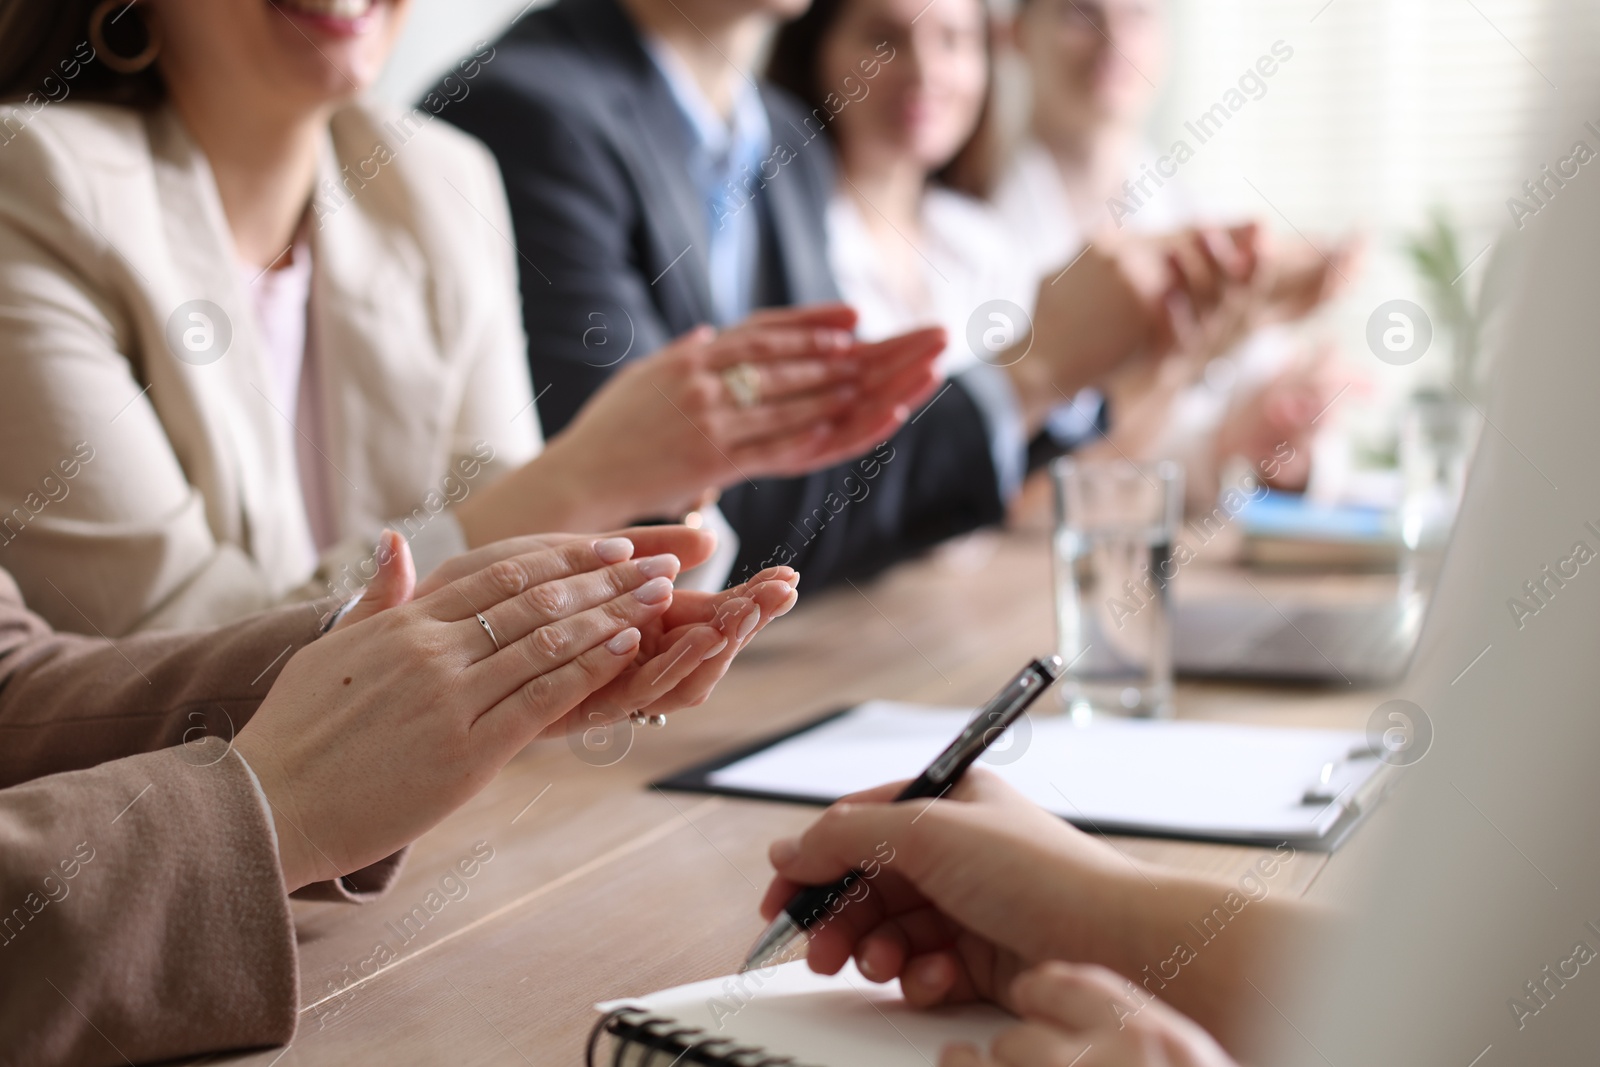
(1441, 422)
(1435, 253)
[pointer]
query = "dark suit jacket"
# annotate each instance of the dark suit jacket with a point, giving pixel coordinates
(612, 236)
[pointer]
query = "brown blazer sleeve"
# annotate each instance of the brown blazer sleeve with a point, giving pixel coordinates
(69, 702)
(144, 913)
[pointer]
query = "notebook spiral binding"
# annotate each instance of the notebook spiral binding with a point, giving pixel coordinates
(645, 1040)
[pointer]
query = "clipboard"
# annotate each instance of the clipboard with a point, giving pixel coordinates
(1268, 785)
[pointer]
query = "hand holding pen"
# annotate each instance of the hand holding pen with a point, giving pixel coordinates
(969, 893)
(810, 907)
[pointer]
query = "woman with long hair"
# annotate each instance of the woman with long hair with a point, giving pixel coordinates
(916, 239)
(913, 133)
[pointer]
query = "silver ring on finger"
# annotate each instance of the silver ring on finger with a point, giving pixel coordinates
(483, 622)
(743, 382)
(639, 718)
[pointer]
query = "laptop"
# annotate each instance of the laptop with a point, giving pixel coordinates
(1363, 643)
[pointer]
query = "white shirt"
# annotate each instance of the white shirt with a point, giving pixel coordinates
(963, 264)
(974, 285)
(964, 260)
(1032, 204)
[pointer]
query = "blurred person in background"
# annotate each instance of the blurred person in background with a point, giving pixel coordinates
(910, 245)
(248, 319)
(1085, 175)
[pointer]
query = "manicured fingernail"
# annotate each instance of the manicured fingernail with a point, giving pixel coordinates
(613, 549)
(748, 626)
(659, 566)
(623, 643)
(783, 851)
(654, 591)
(715, 650)
(728, 609)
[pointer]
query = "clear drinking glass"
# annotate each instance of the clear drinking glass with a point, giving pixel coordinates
(1115, 524)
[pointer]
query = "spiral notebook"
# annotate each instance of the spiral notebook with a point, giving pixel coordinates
(784, 1016)
(1252, 785)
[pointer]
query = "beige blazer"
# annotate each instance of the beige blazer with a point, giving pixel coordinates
(143, 490)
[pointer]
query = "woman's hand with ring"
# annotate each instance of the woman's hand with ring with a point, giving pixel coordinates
(375, 732)
(669, 426)
(671, 670)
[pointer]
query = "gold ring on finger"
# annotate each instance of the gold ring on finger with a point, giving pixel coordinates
(743, 382)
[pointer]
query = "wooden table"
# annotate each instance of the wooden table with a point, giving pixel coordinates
(600, 886)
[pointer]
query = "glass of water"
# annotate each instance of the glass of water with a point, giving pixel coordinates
(1115, 524)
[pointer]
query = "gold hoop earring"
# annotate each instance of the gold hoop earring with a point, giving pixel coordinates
(120, 63)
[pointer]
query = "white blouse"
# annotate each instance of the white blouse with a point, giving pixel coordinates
(1032, 205)
(965, 259)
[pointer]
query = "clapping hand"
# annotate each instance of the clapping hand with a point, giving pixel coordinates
(784, 393)
(412, 704)
(684, 652)
(1129, 297)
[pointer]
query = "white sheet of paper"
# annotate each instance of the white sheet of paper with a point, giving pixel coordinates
(1208, 779)
(839, 1021)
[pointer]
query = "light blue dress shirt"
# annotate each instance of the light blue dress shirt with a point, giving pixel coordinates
(727, 158)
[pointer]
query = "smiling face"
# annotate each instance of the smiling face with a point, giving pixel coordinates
(924, 103)
(1094, 63)
(295, 55)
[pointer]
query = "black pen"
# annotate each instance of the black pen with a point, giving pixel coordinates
(810, 906)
